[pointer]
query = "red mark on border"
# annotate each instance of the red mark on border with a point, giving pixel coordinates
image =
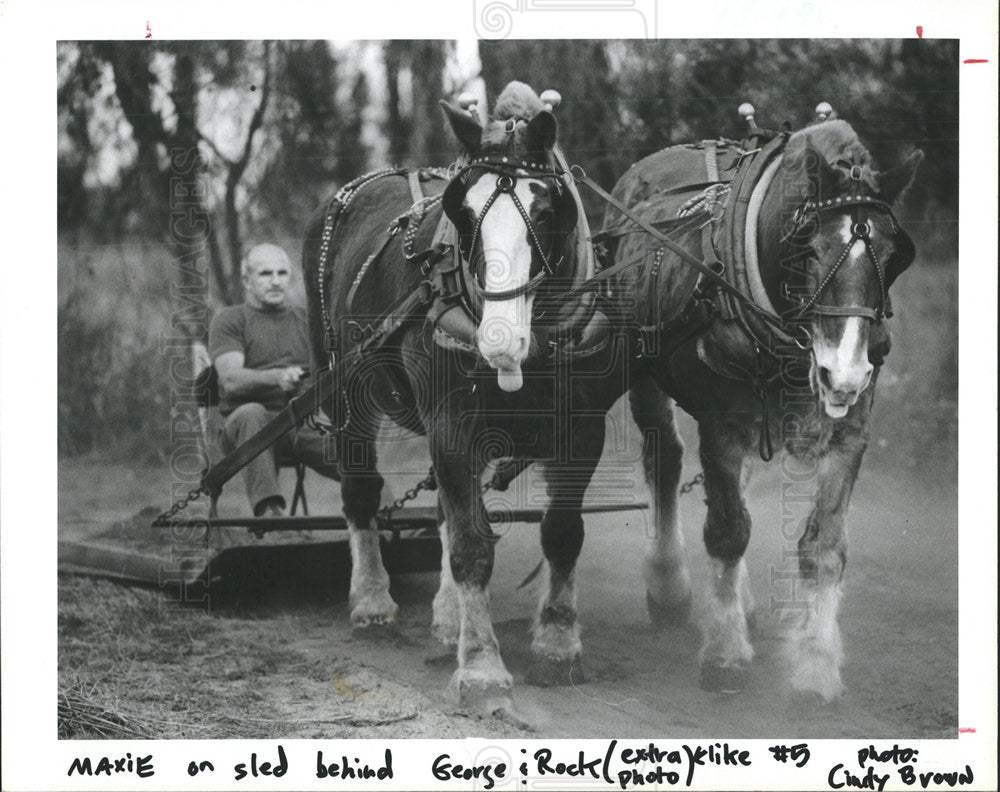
(975, 60)
(920, 31)
(966, 730)
(149, 30)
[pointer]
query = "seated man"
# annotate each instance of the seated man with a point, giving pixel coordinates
(261, 354)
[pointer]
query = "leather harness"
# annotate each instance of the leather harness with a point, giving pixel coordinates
(722, 288)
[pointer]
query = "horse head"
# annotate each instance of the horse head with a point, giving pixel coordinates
(835, 247)
(515, 217)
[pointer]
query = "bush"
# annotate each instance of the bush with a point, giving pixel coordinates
(111, 391)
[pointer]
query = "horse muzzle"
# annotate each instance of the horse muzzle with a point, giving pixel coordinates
(505, 346)
(839, 389)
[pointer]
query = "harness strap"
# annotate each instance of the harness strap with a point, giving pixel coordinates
(391, 233)
(505, 185)
(683, 217)
(711, 160)
(845, 310)
(676, 249)
(413, 178)
(859, 231)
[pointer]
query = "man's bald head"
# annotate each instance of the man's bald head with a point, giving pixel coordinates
(266, 271)
(265, 254)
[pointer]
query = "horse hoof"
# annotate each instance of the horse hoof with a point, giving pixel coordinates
(373, 623)
(724, 679)
(553, 672)
(671, 616)
(485, 699)
(374, 610)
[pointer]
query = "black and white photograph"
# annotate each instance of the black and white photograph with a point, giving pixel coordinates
(505, 406)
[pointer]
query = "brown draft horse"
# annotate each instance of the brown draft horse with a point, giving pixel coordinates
(512, 213)
(822, 247)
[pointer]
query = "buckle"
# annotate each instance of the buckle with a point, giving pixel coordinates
(426, 290)
(856, 173)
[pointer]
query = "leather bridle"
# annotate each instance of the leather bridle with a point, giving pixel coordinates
(861, 228)
(508, 169)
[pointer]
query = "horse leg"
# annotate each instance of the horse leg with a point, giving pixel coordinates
(481, 681)
(813, 643)
(555, 635)
(726, 651)
(446, 622)
(361, 491)
(668, 584)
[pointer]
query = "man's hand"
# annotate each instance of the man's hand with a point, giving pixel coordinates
(243, 384)
(288, 378)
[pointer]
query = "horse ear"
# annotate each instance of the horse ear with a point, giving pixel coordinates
(465, 127)
(893, 183)
(542, 131)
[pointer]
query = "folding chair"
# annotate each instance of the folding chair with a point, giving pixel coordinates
(210, 420)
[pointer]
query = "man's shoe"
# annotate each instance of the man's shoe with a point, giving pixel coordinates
(270, 507)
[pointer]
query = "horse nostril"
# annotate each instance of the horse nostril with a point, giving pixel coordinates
(824, 377)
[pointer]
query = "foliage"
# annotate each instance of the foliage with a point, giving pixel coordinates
(111, 386)
(414, 124)
(636, 97)
(272, 128)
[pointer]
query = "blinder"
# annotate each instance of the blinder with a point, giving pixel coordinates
(451, 203)
(902, 257)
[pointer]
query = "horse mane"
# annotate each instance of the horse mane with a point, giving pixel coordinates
(518, 101)
(839, 145)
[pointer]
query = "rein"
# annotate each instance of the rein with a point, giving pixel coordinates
(580, 176)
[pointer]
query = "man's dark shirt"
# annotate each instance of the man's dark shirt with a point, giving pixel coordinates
(267, 338)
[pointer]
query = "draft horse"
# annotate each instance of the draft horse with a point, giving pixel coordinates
(805, 230)
(488, 250)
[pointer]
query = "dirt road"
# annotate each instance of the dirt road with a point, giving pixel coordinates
(899, 621)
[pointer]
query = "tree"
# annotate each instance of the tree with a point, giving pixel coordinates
(415, 84)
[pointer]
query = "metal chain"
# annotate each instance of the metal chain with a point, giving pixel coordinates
(386, 512)
(429, 483)
(686, 488)
(180, 505)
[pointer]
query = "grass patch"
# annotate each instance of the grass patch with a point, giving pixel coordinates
(132, 665)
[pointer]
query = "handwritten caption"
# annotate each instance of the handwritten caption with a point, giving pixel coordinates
(619, 766)
(902, 761)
